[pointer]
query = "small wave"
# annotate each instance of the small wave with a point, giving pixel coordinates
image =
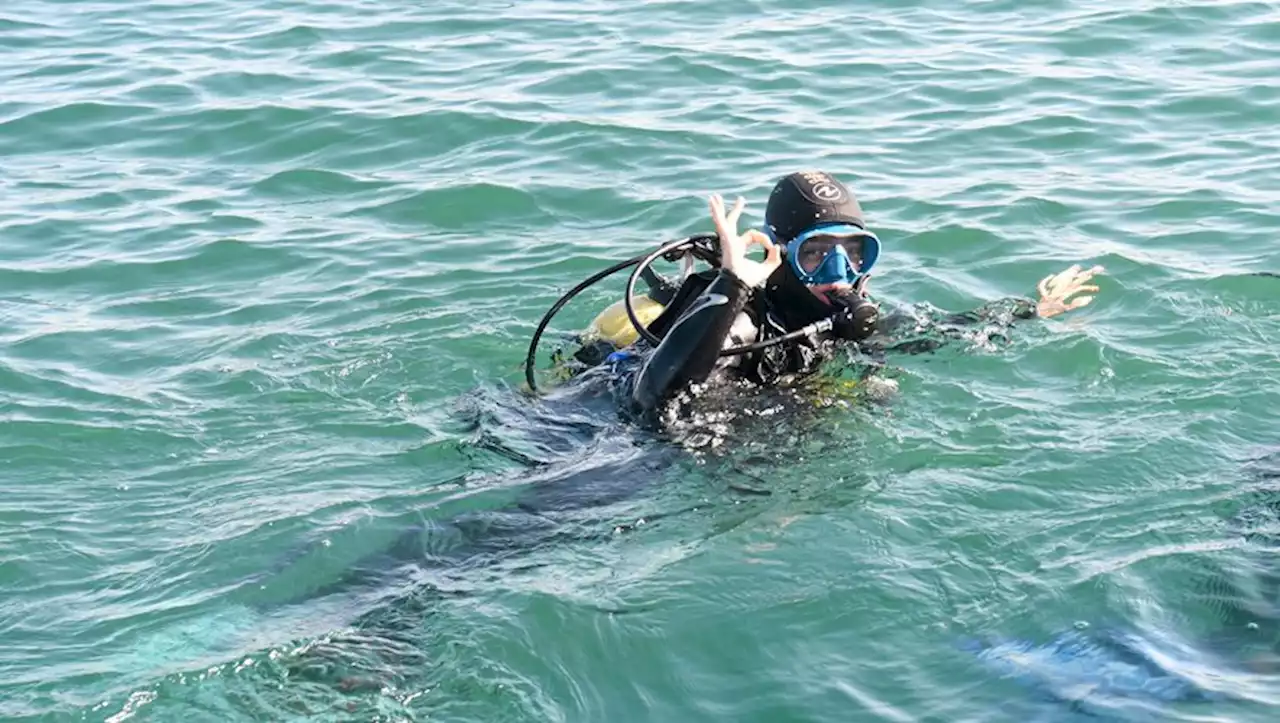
(69, 126)
(307, 183)
(292, 37)
(460, 207)
(21, 26)
(227, 259)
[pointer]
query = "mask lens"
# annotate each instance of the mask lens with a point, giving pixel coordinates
(815, 249)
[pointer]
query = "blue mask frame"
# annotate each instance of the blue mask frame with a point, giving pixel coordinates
(836, 267)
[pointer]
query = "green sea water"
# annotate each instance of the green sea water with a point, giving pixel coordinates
(268, 271)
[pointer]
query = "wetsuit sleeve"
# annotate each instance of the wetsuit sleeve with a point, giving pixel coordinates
(921, 328)
(689, 351)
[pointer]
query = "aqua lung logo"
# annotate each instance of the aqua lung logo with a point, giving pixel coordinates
(827, 192)
(822, 186)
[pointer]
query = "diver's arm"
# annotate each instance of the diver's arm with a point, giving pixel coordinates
(923, 328)
(690, 349)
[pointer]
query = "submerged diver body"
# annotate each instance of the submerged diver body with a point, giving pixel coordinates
(819, 254)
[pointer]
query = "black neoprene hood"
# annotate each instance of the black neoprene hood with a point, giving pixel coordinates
(805, 199)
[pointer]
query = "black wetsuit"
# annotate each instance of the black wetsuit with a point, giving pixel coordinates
(714, 310)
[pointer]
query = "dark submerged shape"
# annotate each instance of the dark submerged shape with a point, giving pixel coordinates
(1105, 672)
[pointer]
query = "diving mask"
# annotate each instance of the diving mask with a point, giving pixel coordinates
(833, 254)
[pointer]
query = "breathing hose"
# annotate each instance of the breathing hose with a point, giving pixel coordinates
(555, 309)
(702, 246)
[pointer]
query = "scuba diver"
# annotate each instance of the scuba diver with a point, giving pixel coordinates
(776, 319)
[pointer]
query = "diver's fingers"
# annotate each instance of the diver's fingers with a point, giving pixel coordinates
(753, 237)
(772, 256)
(736, 213)
(1064, 282)
(717, 206)
(1078, 289)
(772, 252)
(1067, 274)
(1084, 276)
(717, 215)
(756, 237)
(1082, 301)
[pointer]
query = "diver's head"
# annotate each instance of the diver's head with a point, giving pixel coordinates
(818, 221)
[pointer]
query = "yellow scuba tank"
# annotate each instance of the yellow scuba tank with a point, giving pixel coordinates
(613, 325)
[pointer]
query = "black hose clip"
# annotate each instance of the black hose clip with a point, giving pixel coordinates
(703, 246)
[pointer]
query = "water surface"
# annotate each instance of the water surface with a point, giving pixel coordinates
(267, 273)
